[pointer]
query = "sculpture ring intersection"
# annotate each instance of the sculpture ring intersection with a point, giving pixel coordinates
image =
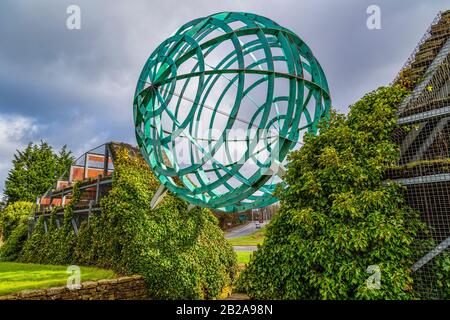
(219, 105)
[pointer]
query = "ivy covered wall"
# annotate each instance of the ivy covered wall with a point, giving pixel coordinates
(181, 254)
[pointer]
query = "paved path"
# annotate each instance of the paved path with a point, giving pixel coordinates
(238, 296)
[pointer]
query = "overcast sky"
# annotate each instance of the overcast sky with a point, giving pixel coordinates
(76, 87)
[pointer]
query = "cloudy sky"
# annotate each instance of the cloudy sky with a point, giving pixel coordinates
(75, 87)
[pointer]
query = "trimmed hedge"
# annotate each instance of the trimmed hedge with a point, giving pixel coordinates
(181, 254)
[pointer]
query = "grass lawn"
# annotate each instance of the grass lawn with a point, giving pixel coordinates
(24, 276)
(243, 257)
(250, 240)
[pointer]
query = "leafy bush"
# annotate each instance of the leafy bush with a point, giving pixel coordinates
(337, 217)
(12, 247)
(181, 254)
(14, 229)
(442, 271)
(12, 216)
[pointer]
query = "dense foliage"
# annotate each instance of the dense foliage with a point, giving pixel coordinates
(58, 244)
(34, 171)
(442, 271)
(12, 216)
(181, 254)
(14, 229)
(339, 223)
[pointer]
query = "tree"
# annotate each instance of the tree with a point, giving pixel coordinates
(64, 161)
(34, 171)
(341, 232)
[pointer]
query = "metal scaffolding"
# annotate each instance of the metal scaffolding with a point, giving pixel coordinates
(424, 140)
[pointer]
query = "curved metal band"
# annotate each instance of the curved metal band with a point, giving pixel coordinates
(227, 71)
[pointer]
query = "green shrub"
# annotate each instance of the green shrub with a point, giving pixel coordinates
(32, 250)
(337, 217)
(12, 247)
(181, 254)
(14, 229)
(442, 270)
(12, 216)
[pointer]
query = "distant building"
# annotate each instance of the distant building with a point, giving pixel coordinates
(93, 171)
(95, 164)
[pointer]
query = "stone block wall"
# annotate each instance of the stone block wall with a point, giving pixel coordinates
(124, 288)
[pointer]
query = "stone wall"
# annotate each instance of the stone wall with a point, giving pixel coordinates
(125, 288)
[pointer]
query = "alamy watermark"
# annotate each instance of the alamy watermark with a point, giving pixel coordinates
(74, 279)
(374, 20)
(374, 281)
(73, 21)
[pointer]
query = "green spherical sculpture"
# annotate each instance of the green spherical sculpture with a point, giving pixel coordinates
(219, 105)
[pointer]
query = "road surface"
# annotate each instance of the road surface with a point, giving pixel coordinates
(245, 230)
(245, 248)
